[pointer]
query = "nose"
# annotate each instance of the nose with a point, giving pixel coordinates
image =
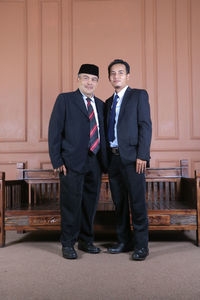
(90, 81)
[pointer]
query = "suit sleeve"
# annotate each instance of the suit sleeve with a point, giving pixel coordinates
(55, 133)
(144, 127)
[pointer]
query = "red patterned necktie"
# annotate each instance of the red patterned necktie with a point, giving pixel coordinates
(94, 139)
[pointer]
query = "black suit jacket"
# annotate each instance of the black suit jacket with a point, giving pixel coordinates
(69, 129)
(134, 128)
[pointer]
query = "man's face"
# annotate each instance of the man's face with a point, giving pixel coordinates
(87, 84)
(118, 77)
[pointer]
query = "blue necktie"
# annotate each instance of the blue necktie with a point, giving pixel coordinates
(111, 125)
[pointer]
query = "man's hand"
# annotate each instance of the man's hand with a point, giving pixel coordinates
(61, 169)
(140, 166)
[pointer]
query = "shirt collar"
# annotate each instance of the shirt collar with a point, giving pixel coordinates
(85, 97)
(122, 92)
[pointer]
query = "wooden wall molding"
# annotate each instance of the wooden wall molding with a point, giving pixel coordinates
(24, 152)
(174, 150)
(13, 1)
(189, 150)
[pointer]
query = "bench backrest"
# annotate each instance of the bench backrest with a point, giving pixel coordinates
(162, 187)
(42, 184)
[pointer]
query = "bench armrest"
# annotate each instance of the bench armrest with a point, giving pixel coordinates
(188, 191)
(15, 193)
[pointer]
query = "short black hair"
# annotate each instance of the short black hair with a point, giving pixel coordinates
(119, 61)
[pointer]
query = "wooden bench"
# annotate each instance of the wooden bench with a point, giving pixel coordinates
(32, 201)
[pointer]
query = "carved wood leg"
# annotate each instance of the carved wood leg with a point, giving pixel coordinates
(197, 176)
(2, 208)
(198, 237)
(2, 237)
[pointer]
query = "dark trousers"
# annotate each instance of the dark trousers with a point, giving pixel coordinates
(79, 195)
(128, 194)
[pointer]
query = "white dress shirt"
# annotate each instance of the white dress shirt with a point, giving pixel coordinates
(118, 106)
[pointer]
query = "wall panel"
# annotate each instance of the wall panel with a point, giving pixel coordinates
(161, 163)
(50, 60)
(183, 69)
(166, 77)
(115, 29)
(13, 62)
(43, 43)
(195, 165)
(194, 10)
(9, 167)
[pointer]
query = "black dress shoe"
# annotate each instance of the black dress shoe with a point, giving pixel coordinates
(69, 252)
(88, 247)
(140, 254)
(120, 247)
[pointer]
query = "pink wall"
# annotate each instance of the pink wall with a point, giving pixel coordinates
(43, 43)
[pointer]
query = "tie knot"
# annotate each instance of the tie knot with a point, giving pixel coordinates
(88, 100)
(116, 97)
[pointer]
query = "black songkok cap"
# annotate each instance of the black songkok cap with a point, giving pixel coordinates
(89, 69)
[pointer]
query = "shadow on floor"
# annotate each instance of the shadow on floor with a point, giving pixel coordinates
(100, 235)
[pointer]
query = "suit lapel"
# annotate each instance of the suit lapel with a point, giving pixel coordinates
(80, 103)
(109, 105)
(124, 102)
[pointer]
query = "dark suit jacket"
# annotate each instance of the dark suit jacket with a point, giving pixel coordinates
(134, 127)
(69, 129)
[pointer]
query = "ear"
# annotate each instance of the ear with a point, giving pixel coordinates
(128, 76)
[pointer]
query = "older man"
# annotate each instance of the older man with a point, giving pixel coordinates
(78, 151)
